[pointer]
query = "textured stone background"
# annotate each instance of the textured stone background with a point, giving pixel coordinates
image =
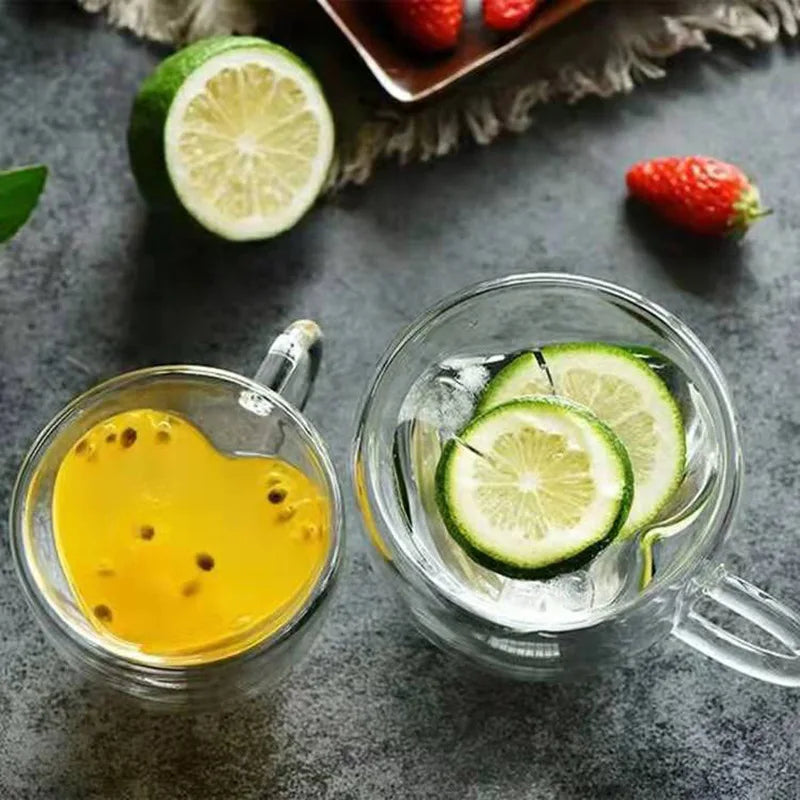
(93, 287)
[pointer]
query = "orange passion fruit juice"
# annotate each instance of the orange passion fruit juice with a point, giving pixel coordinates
(178, 549)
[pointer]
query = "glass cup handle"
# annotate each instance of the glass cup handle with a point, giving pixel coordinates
(757, 607)
(292, 363)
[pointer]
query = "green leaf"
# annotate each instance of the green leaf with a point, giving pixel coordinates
(19, 193)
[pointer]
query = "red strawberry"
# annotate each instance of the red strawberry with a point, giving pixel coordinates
(702, 194)
(507, 15)
(431, 25)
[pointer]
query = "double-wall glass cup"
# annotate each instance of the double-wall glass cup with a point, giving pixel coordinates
(458, 605)
(240, 416)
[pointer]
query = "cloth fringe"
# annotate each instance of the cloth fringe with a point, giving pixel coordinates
(606, 49)
(179, 21)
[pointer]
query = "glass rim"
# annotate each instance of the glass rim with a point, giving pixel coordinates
(731, 470)
(130, 659)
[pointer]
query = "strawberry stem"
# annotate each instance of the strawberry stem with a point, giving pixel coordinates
(747, 210)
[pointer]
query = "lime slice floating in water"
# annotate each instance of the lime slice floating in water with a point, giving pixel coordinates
(237, 130)
(534, 487)
(627, 395)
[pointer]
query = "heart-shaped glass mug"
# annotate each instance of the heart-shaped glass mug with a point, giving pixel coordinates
(257, 417)
(572, 626)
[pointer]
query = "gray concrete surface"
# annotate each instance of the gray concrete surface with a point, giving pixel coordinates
(93, 287)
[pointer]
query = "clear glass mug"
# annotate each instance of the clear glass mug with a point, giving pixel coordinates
(255, 417)
(526, 311)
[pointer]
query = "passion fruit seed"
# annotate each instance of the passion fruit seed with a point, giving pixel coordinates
(81, 446)
(103, 613)
(190, 588)
(277, 495)
(128, 437)
(163, 432)
(205, 562)
(147, 532)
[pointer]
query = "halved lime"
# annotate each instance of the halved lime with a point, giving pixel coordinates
(238, 131)
(627, 395)
(534, 487)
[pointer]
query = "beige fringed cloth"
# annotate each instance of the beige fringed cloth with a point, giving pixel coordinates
(604, 49)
